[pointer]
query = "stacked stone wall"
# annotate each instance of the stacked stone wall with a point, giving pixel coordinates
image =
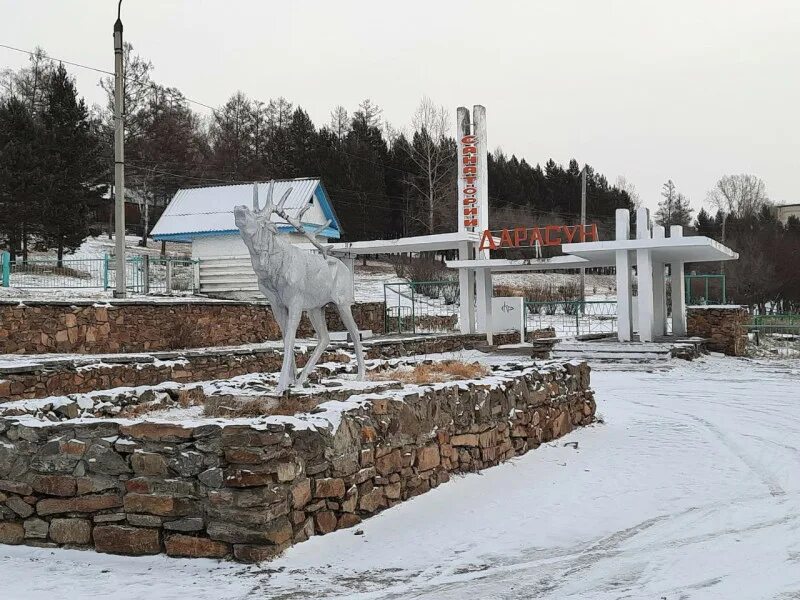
(132, 326)
(725, 327)
(250, 490)
(65, 376)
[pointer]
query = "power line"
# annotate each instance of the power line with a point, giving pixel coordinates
(59, 60)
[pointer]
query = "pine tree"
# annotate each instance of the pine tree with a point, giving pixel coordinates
(21, 163)
(74, 167)
(674, 209)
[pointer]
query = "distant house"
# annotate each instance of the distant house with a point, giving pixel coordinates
(204, 218)
(784, 211)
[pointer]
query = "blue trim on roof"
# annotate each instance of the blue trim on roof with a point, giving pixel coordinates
(321, 194)
(188, 236)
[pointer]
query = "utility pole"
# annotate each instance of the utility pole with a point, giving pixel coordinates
(583, 231)
(119, 158)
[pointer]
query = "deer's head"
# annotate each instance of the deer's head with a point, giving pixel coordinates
(256, 222)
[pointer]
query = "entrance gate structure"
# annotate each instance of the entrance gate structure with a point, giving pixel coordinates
(649, 251)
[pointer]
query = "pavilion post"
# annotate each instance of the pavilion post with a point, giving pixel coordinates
(659, 289)
(644, 270)
(678, 289)
(624, 291)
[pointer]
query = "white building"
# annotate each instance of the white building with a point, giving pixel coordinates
(204, 217)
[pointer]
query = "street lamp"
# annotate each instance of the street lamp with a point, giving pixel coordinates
(119, 158)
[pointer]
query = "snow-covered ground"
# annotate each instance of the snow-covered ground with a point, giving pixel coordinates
(689, 489)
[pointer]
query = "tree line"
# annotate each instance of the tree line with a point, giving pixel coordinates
(384, 183)
(52, 168)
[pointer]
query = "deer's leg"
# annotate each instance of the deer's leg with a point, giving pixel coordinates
(350, 323)
(281, 314)
(292, 321)
(317, 318)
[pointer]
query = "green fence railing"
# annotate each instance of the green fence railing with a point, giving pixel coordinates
(572, 318)
(421, 306)
(142, 274)
(705, 289)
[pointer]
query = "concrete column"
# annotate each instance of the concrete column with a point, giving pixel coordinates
(624, 291)
(466, 288)
(659, 289)
(644, 270)
(484, 304)
(483, 301)
(678, 290)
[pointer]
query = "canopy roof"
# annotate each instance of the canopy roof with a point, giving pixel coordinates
(208, 211)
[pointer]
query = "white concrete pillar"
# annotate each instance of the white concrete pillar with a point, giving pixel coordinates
(678, 284)
(659, 298)
(659, 289)
(483, 279)
(644, 271)
(624, 288)
(466, 288)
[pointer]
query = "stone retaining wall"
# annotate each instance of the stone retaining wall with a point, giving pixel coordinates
(248, 490)
(725, 327)
(60, 377)
(137, 326)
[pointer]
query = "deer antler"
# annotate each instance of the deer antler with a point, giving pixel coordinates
(270, 208)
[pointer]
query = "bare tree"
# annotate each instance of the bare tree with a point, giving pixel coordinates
(340, 121)
(433, 158)
(626, 186)
(739, 195)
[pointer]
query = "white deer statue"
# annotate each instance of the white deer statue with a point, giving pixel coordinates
(295, 280)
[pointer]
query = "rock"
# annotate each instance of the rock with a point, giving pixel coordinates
(348, 520)
(185, 524)
(55, 485)
(277, 532)
(427, 458)
(246, 478)
(149, 463)
(372, 501)
(104, 460)
(301, 493)
(329, 488)
(95, 483)
(15, 487)
(69, 410)
(11, 533)
(156, 432)
(351, 500)
(289, 470)
(195, 547)
(247, 498)
(254, 554)
(19, 506)
(119, 539)
(71, 531)
(165, 506)
(36, 529)
(392, 490)
(466, 439)
(389, 463)
(211, 477)
(325, 521)
(187, 463)
(144, 520)
(81, 504)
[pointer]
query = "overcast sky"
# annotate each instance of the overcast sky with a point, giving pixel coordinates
(687, 90)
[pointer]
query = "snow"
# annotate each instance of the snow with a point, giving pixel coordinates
(689, 489)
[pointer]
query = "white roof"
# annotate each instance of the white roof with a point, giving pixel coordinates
(209, 210)
(603, 254)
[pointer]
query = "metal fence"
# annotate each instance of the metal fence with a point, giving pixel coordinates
(572, 318)
(421, 306)
(705, 289)
(143, 274)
